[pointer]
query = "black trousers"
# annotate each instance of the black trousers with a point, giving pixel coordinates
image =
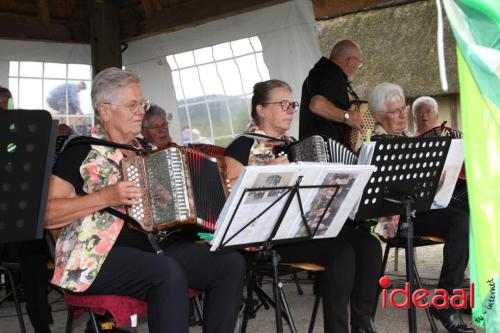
(352, 264)
(453, 226)
(163, 281)
(32, 257)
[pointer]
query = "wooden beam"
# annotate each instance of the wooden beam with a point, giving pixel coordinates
(104, 34)
(148, 8)
(30, 28)
(157, 5)
(188, 14)
(326, 9)
(43, 11)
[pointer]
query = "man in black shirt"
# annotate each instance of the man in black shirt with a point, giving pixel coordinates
(325, 94)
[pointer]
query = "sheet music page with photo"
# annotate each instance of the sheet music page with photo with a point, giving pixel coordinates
(351, 178)
(350, 181)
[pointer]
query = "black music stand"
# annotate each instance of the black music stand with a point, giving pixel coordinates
(289, 193)
(27, 139)
(405, 181)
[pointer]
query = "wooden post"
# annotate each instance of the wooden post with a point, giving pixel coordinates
(105, 40)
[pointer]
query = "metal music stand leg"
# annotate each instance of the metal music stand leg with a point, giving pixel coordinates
(10, 278)
(407, 228)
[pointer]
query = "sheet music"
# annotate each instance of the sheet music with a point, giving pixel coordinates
(352, 179)
(449, 176)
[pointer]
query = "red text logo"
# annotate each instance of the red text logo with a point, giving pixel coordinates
(441, 299)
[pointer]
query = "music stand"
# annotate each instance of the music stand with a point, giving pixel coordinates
(303, 207)
(27, 139)
(405, 181)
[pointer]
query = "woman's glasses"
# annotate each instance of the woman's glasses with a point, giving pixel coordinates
(286, 105)
(134, 107)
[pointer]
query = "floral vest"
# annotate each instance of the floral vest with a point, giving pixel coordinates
(84, 244)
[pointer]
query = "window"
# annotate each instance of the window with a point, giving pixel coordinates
(213, 86)
(61, 89)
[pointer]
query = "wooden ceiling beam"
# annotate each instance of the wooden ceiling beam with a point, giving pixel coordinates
(148, 7)
(30, 28)
(324, 9)
(188, 14)
(43, 11)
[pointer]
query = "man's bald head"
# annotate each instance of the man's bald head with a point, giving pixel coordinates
(347, 55)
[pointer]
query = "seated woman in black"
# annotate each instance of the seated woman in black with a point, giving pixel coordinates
(352, 260)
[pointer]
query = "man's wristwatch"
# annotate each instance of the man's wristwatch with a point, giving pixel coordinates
(346, 116)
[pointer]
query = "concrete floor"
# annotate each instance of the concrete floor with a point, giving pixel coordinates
(388, 320)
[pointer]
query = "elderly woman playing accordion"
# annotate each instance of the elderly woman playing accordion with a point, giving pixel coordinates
(352, 260)
(98, 253)
(387, 103)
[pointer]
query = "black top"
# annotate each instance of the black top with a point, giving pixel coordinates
(328, 80)
(239, 149)
(67, 167)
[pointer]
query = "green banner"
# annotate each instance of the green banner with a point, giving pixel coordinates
(476, 26)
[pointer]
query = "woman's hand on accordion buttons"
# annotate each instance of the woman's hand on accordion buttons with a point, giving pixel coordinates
(122, 193)
(283, 159)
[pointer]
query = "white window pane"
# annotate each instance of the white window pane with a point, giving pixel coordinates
(230, 77)
(53, 70)
(261, 65)
(191, 83)
(204, 55)
(31, 69)
(210, 80)
(30, 94)
(250, 74)
(177, 85)
(83, 72)
(222, 51)
(13, 90)
(171, 62)
(241, 46)
(184, 59)
(13, 68)
(240, 113)
(51, 102)
(220, 118)
(257, 46)
(200, 125)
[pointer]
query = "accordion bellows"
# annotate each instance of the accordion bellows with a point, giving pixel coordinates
(180, 186)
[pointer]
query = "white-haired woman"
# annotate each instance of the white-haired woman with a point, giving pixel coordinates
(425, 113)
(387, 103)
(98, 253)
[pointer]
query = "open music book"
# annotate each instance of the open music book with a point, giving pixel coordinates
(242, 206)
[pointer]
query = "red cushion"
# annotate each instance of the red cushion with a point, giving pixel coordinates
(120, 307)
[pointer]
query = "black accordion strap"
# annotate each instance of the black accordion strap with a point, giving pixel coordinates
(100, 142)
(253, 135)
(351, 91)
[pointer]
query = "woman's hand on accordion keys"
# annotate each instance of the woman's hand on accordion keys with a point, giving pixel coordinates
(282, 159)
(122, 193)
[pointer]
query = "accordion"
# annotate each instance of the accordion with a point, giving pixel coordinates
(442, 131)
(319, 149)
(354, 137)
(181, 186)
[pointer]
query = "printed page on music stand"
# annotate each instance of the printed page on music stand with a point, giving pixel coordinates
(350, 181)
(451, 170)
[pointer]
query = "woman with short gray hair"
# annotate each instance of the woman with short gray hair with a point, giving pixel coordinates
(425, 112)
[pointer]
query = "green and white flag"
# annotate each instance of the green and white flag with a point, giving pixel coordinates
(476, 26)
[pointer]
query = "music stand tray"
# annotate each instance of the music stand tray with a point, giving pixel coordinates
(27, 139)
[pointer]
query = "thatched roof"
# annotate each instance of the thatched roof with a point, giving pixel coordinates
(399, 45)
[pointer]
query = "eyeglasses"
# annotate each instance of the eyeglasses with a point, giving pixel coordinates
(285, 105)
(135, 106)
(360, 64)
(401, 111)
